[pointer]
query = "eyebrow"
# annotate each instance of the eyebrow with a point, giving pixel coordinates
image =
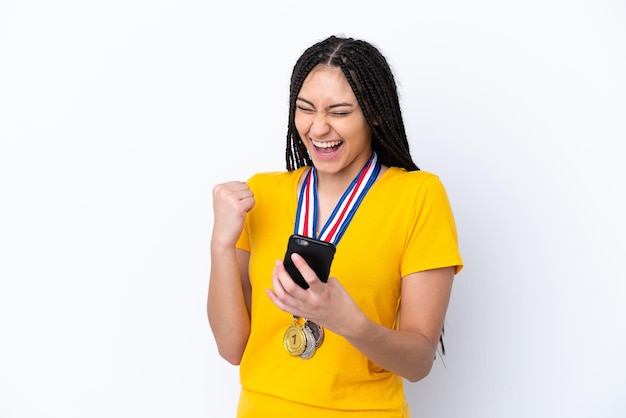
(327, 108)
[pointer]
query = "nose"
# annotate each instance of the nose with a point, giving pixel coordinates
(319, 125)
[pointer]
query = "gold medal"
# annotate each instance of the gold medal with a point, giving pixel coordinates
(295, 340)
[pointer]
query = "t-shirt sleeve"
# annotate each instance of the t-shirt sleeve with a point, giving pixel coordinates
(432, 241)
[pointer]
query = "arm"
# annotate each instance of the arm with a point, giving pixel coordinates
(228, 301)
(408, 351)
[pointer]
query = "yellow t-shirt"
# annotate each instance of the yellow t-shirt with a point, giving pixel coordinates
(403, 225)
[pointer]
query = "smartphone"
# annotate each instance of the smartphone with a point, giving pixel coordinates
(318, 255)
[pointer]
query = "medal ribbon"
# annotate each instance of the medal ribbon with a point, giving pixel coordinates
(333, 230)
(296, 340)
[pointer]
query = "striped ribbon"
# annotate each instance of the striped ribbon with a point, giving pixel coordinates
(333, 230)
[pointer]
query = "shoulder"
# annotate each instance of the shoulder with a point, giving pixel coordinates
(400, 179)
(274, 180)
(412, 188)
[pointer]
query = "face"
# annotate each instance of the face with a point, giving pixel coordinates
(331, 123)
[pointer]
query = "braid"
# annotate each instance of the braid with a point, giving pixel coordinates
(373, 84)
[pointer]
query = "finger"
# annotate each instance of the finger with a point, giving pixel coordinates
(234, 195)
(232, 185)
(286, 281)
(307, 272)
(279, 295)
(244, 198)
(276, 300)
(235, 189)
(225, 189)
(242, 193)
(277, 286)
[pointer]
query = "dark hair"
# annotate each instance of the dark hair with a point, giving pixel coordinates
(374, 86)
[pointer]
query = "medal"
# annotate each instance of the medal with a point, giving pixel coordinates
(295, 339)
(303, 340)
(310, 348)
(316, 330)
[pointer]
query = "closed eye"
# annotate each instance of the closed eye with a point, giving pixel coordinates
(305, 109)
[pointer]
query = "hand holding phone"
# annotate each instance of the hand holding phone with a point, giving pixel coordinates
(318, 255)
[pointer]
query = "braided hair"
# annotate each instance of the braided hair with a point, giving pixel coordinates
(374, 86)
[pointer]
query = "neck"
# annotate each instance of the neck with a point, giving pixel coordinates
(333, 183)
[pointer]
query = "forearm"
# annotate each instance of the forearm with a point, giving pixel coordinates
(407, 353)
(226, 304)
(410, 350)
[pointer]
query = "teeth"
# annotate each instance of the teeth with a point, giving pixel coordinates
(327, 144)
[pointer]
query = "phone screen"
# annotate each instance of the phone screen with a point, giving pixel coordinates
(318, 255)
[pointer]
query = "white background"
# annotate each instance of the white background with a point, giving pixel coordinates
(118, 117)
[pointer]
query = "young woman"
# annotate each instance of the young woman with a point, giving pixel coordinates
(342, 347)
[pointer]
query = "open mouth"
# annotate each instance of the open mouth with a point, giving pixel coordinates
(326, 147)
